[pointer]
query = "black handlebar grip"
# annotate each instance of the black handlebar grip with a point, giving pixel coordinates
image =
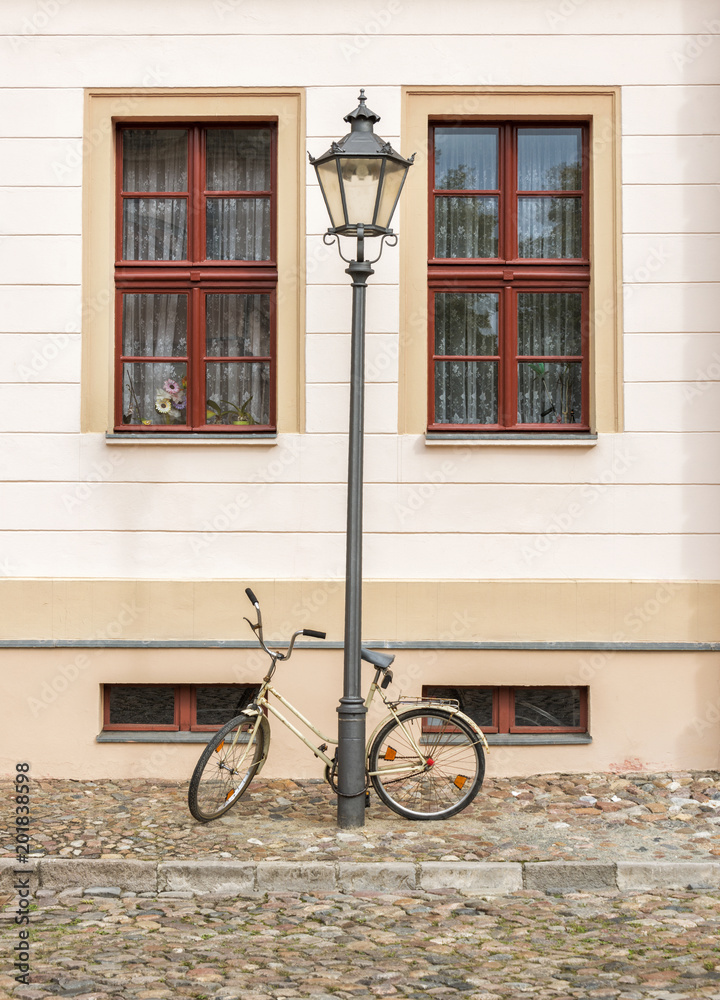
(252, 597)
(313, 633)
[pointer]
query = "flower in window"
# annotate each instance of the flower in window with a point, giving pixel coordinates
(163, 405)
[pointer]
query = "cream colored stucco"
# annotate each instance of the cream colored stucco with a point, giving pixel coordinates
(651, 711)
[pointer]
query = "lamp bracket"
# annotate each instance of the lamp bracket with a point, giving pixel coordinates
(329, 238)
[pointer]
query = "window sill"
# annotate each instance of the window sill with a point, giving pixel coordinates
(519, 439)
(150, 736)
(185, 439)
(537, 739)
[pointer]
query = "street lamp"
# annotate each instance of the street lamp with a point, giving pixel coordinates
(361, 178)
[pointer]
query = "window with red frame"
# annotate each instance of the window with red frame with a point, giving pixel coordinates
(195, 278)
(519, 709)
(173, 707)
(509, 272)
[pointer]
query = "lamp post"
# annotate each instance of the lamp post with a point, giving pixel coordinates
(361, 178)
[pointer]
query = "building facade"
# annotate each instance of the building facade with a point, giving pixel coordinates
(542, 471)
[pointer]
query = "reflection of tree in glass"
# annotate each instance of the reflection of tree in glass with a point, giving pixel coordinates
(549, 227)
(457, 178)
(564, 177)
(465, 323)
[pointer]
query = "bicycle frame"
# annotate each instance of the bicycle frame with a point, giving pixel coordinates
(262, 703)
(261, 706)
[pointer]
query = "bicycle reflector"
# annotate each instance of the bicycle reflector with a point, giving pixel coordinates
(460, 780)
(219, 747)
(390, 754)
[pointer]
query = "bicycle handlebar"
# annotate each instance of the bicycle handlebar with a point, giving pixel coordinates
(252, 598)
(313, 633)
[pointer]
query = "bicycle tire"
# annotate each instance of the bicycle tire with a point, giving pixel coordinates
(226, 767)
(456, 764)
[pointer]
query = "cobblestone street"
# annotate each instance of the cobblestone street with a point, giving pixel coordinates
(641, 946)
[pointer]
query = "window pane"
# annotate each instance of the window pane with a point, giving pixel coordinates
(549, 323)
(549, 159)
(549, 227)
(466, 159)
(142, 704)
(237, 326)
(466, 392)
(238, 229)
(217, 705)
(547, 707)
(154, 229)
(155, 159)
(466, 227)
(477, 702)
(466, 323)
(154, 326)
(238, 159)
(154, 393)
(238, 393)
(549, 392)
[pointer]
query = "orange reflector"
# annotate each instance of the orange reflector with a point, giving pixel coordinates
(230, 794)
(390, 754)
(219, 747)
(460, 780)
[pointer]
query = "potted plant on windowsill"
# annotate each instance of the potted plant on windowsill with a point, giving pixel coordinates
(239, 415)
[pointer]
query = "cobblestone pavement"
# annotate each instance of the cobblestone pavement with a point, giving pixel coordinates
(640, 946)
(670, 817)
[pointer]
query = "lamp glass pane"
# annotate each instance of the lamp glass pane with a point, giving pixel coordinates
(394, 176)
(361, 176)
(327, 174)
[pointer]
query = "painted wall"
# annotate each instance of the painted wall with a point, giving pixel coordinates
(641, 717)
(483, 510)
(645, 501)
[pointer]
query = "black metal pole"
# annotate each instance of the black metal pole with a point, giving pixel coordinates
(352, 711)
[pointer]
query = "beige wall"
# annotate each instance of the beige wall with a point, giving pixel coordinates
(649, 711)
(393, 611)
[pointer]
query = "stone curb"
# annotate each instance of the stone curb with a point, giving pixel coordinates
(238, 878)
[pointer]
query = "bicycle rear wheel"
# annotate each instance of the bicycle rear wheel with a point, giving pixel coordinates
(226, 767)
(437, 785)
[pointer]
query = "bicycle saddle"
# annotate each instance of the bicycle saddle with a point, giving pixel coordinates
(381, 660)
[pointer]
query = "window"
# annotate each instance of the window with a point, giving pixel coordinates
(196, 277)
(520, 709)
(509, 275)
(173, 708)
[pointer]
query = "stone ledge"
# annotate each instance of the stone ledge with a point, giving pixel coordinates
(242, 878)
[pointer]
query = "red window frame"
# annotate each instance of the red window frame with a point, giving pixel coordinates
(509, 275)
(503, 707)
(185, 720)
(195, 277)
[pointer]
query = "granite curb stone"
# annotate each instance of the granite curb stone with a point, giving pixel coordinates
(293, 876)
(63, 873)
(237, 878)
(376, 876)
(222, 878)
(669, 874)
(9, 868)
(472, 876)
(577, 875)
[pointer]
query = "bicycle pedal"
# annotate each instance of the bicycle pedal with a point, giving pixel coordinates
(323, 747)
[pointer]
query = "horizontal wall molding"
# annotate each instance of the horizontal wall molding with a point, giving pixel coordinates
(620, 647)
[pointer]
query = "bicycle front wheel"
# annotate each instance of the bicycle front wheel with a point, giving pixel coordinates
(226, 767)
(439, 782)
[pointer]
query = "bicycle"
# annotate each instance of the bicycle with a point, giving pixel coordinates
(425, 762)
